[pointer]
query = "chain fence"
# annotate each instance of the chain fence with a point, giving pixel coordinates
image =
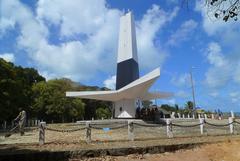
(131, 130)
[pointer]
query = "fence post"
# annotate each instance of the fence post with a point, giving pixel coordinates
(179, 116)
(193, 116)
(212, 116)
(88, 132)
(169, 128)
(205, 116)
(230, 120)
(201, 125)
(232, 114)
(130, 130)
(42, 133)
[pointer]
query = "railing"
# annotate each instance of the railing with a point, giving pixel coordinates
(132, 126)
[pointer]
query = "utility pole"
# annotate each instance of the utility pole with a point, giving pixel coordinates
(193, 93)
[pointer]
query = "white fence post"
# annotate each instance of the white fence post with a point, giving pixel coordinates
(230, 120)
(179, 116)
(42, 133)
(88, 132)
(212, 116)
(130, 130)
(201, 125)
(193, 116)
(232, 114)
(173, 115)
(205, 116)
(169, 128)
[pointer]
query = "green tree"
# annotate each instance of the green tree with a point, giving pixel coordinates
(50, 102)
(103, 112)
(15, 89)
(146, 103)
(169, 107)
(189, 105)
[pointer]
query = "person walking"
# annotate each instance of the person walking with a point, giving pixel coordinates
(21, 121)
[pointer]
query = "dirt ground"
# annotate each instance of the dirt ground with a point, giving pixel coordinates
(225, 151)
(223, 147)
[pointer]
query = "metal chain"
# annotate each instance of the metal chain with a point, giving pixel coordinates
(236, 122)
(148, 125)
(68, 130)
(218, 125)
(178, 125)
(104, 124)
(113, 128)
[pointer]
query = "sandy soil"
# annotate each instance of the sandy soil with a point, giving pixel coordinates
(225, 147)
(226, 151)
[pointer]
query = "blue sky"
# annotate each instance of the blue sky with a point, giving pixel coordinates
(78, 40)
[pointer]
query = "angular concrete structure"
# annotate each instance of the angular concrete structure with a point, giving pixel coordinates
(130, 89)
(127, 62)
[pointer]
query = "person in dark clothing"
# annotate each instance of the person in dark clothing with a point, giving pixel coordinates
(138, 112)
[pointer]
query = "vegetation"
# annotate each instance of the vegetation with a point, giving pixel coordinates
(224, 9)
(46, 100)
(15, 88)
(188, 108)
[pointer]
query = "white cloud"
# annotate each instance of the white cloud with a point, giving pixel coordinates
(182, 80)
(210, 24)
(214, 94)
(5, 24)
(74, 17)
(182, 94)
(8, 57)
(88, 34)
(223, 57)
(235, 96)
(78, 59)
(182, 34)
(150, 53)
(110, 82)
(220, 70)
(214, 56)
(172, 101)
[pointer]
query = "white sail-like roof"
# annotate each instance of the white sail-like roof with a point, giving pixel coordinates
(137, 89)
